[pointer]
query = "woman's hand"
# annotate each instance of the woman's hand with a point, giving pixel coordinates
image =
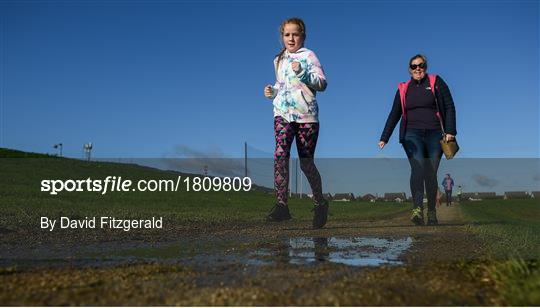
(449, 137)
(268, 91)
(381, 144)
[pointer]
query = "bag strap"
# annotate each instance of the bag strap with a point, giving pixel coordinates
(432, 79)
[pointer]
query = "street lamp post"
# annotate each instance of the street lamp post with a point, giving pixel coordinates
(59, 145)
(88, 150)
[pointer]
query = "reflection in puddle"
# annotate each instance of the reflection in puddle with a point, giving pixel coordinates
(358, 251)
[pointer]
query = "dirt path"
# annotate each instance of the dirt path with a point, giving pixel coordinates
(450, 240)
(276, 264)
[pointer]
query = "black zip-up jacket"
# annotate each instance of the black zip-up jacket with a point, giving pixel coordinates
(446, 107)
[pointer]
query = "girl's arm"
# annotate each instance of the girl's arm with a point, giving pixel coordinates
(313, 75)
(273, 90)
(270, 91)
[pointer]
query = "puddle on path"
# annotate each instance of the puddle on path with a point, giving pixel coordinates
(353, 251)
(356, 251)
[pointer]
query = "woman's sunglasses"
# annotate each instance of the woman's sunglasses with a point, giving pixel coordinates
(421, 65)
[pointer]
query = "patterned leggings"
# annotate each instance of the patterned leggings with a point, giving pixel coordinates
(306, 140)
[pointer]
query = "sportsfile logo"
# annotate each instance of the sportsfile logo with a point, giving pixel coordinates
(117, 184)
(111, 183)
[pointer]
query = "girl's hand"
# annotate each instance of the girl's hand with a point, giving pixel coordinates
(381, 144)
(268, 91)
(449, 137)
(296, 67)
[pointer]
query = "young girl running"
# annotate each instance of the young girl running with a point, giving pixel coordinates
(299, 75)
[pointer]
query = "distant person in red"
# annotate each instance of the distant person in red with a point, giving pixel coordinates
(448, 184)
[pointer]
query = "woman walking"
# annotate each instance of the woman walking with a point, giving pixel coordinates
(423, 104)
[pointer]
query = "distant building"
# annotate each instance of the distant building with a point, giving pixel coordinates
(328, 196)
(369, 198)
(516, 195)
(344, 197)
(396, 197)
(487, 195)
(468, 196)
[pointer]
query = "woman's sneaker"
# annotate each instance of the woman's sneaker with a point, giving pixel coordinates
(417, 216)
(432, 218)
(279, 213)
(320, 214)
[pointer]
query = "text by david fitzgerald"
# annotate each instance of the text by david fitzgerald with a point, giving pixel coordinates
(101, 222)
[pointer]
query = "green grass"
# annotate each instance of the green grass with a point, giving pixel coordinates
(22, 202)
(511, 231)
(510, 228)
(517, 280)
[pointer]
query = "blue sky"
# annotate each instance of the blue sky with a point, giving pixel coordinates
(152, 79)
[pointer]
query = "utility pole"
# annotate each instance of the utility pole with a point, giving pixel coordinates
(290, 179)
(301, 186)
(296, 178)
(245, 160)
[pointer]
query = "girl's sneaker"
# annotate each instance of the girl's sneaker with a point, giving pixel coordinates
(321, 214)
(279, 213)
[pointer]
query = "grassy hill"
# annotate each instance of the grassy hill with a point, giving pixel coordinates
(22, 201)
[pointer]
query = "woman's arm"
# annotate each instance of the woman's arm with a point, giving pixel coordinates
(392, 120)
